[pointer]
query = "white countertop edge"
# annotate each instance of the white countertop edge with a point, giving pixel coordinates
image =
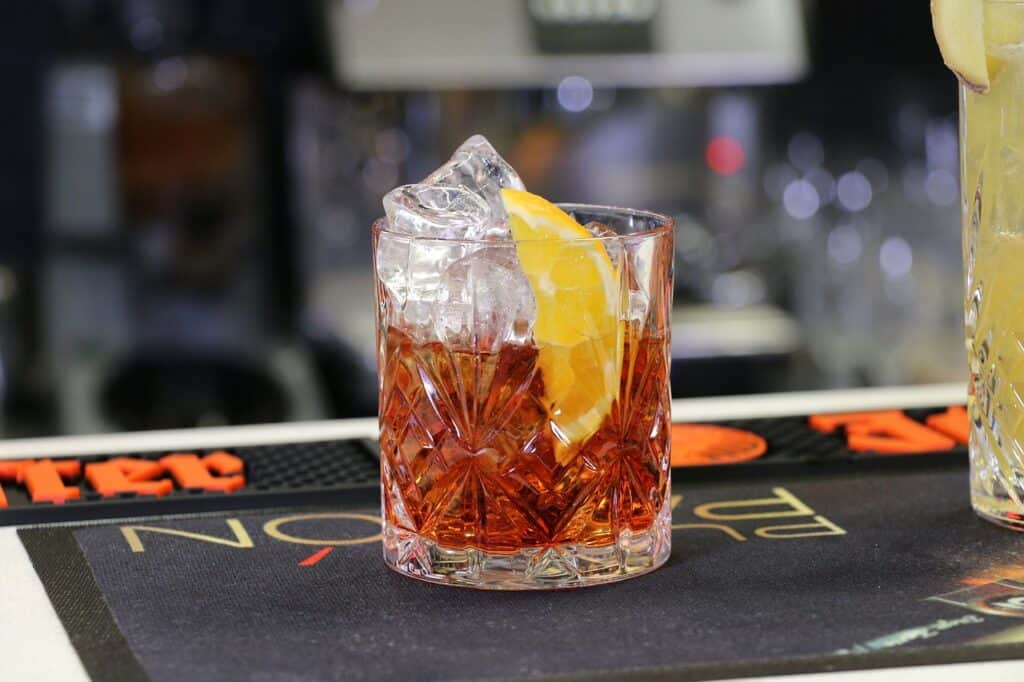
(692, 409)
(989, 671)
(810, 402)
(180, 439)
(33, 643)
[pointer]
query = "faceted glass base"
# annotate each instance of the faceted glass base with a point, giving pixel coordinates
(997, 493)
(1000, 511)
(547, 568)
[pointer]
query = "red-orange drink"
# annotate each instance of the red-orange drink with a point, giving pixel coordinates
(535, 453)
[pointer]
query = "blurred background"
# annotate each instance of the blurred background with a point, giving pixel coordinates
(186, 187)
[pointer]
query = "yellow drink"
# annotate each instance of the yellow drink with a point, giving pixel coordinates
(992, 182)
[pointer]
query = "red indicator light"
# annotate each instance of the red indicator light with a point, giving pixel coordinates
(724, 155)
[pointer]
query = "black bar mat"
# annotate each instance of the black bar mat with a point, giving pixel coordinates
(851, 568)
(76, 598)
(275, 475)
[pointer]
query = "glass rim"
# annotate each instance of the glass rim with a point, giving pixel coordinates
(665, 225)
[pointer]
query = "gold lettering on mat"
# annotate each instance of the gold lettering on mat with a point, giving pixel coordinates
(783, 504)
(272, 528)
(786, 503)
(820, 526)
(241, 541)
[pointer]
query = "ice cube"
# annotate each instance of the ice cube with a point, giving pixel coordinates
(485, 300)
(478, 167)
(410, 270)
(392, 263)
(435, 211)
(597, 229)
(428, 260)
(615, 248)
(439, 285)
(637, 305)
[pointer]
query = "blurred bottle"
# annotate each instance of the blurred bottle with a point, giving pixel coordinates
(167, 242)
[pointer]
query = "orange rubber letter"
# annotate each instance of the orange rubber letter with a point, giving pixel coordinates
(889, 432)
(127, 475)
(189, 471)
(953, 423)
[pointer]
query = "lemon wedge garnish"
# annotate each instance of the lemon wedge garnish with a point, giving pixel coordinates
(960, 33)
(974, 36)
(577, 330)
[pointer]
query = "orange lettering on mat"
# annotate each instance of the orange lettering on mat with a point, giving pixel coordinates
(127, 475)
(953, 423)
(189, 471)
(9, 472)
(703, 444)
(44, 479)
(888, 432)
(10, 469)
(224, 463)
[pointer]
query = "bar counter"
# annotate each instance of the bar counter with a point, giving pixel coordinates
(821, 559)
